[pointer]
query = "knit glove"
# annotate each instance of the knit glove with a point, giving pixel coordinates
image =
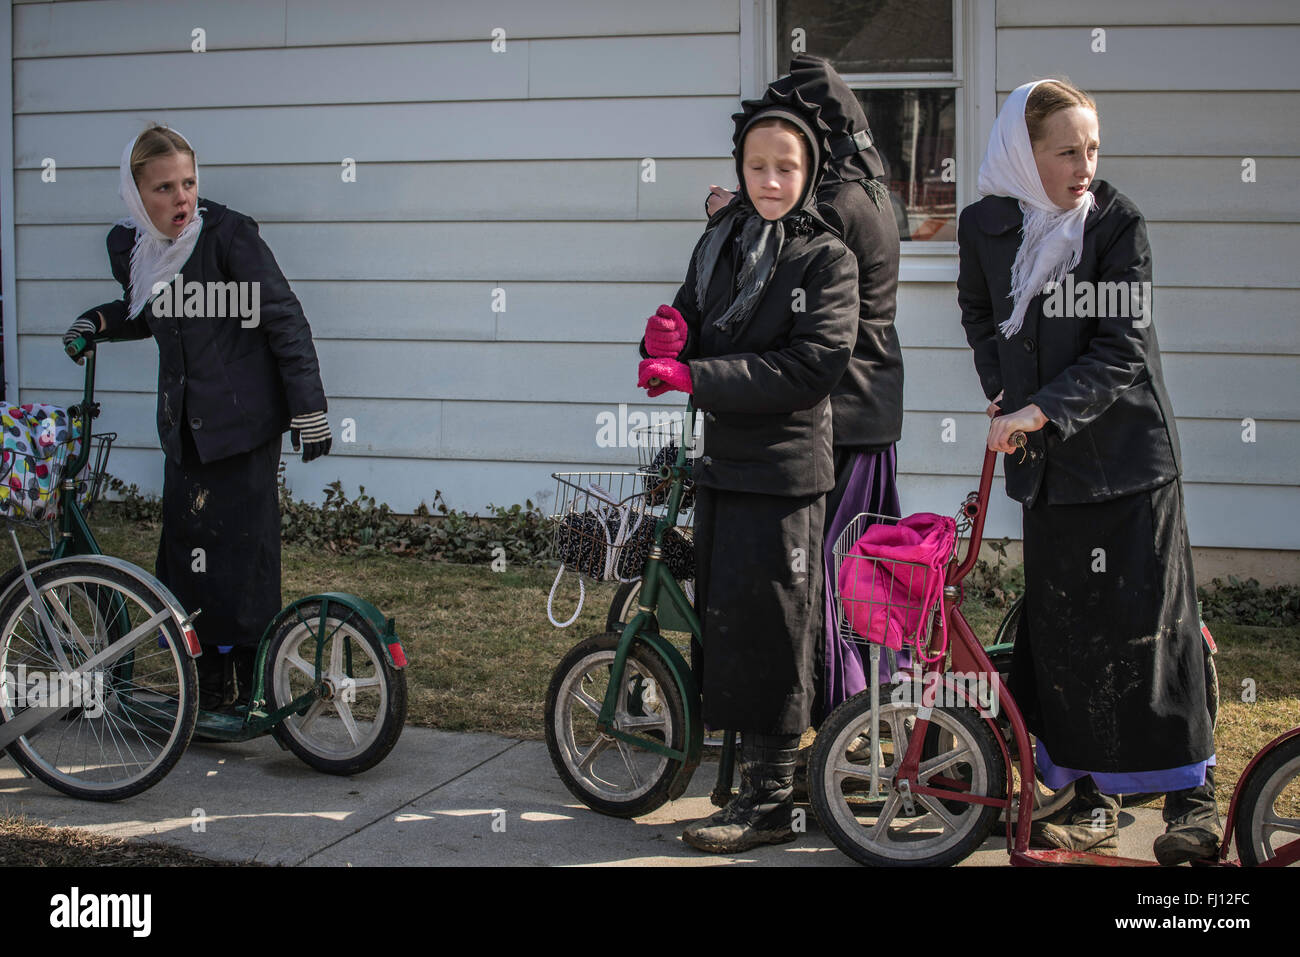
(313, 429)
(665, 333)
(661, 375)
(84, 327)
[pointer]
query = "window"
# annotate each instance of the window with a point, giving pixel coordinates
(903, 60)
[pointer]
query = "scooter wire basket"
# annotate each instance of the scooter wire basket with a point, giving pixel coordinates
(883, 605)
(597, 515)
(657, 445)
(31, 484)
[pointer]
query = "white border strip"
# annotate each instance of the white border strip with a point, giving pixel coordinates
(7, 256)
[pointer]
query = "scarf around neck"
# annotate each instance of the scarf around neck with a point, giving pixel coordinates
(1052, 237)
(760, 248)
(155, 257)
(758, 241)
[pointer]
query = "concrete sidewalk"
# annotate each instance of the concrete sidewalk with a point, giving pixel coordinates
(438, 799)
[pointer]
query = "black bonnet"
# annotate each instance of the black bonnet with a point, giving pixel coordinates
(853, 154)
(789, 106)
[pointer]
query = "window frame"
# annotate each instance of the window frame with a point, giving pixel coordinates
(973, 77)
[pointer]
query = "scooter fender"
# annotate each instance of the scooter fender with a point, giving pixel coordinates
(690, 698)
(13, 581)
(390, 644)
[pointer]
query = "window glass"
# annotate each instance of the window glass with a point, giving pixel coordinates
(915, 132)
(868, 36)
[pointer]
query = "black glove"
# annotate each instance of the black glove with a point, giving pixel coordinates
(84, 327)
(313, 431)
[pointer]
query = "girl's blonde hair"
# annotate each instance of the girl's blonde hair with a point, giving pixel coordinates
(1047, 98)
(154, 142)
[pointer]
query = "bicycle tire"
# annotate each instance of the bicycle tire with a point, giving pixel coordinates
(1257, 817)
(623, 606)
(838, 757)
(367, 720)
(144, 704)
(649, 700)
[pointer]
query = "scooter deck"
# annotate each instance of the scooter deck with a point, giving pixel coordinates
(1041, 858)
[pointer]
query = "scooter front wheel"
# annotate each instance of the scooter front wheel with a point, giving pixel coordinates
(606, 773)
(896, 827)
(360, 707)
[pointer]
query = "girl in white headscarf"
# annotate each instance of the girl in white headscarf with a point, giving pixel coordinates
(237, 367)
(1110, 667)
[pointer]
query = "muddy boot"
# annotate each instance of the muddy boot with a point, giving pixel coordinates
(1089, 823)
(1192, 830)
(760, 812)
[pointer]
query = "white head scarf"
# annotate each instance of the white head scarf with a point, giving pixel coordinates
(1053, 237)
(155, 257)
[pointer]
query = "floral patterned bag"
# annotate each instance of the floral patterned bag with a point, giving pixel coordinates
(38, 440)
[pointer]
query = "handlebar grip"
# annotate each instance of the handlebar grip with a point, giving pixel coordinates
(78, 347)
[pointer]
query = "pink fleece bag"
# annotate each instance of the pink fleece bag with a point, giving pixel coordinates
(893, 576)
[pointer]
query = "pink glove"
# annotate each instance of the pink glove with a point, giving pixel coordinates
(660, 375)
(665, 333)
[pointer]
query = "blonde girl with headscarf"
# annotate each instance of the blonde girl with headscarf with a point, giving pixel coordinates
(237, 368)
(1055, 292)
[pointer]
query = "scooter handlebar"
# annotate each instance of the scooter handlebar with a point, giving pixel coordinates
(78, 347)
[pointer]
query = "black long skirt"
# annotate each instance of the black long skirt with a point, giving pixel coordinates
(1109, 663)
(220, 544)
(759, 592)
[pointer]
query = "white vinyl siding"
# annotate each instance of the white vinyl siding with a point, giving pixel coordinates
(522, 170)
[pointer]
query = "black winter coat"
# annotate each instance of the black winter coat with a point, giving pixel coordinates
(237, 387)
(867, 404)
(766, 393)
(1110, 428)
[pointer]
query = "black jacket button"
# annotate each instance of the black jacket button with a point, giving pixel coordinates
(706, 461)
(710, 417)
(1030, 345)
(196, 423)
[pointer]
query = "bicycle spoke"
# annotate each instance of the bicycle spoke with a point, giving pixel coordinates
(627, 722)
(588, 702)
(936, 807)
(315, 711)
(300, 664)
(627, 761)
(933, 765)
(1280, 825)
(345, 715)
(62, 613)
(891, 806)
(600, 745)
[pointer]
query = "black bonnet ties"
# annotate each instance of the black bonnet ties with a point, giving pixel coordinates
(760, 240)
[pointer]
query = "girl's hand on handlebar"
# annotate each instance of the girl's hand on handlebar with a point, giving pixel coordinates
(658, 375)
(84, 328)
(1001, 429)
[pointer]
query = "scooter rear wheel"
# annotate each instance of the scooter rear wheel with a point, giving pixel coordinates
(359, 715)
